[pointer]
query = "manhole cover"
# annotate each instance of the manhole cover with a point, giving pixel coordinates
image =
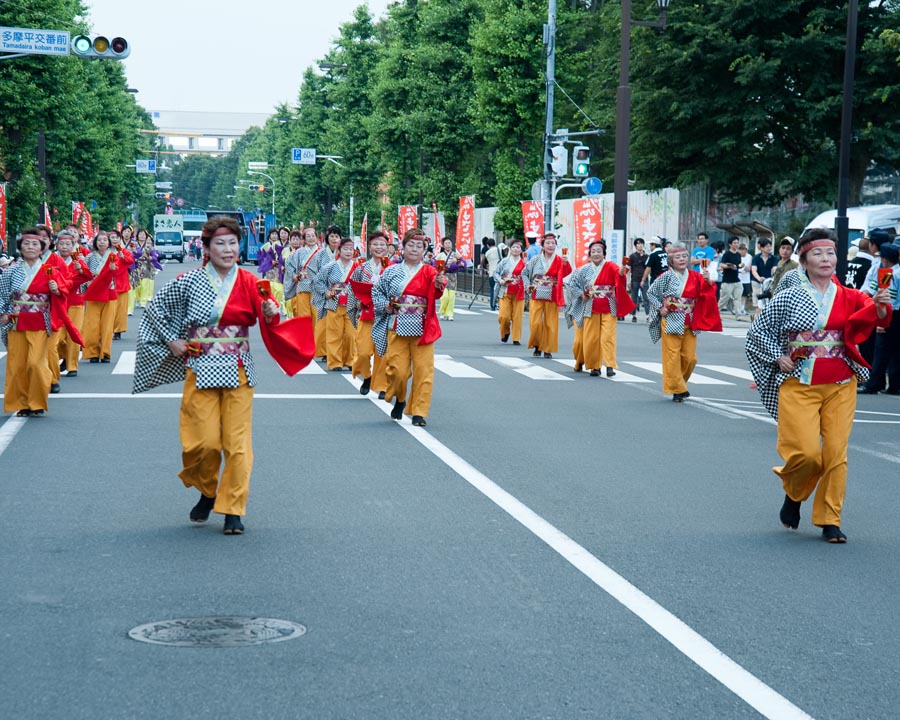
(217, 631)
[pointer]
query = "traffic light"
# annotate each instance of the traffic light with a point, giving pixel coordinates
(581, 161)
(559, 160)
(100, 47)
(261, 188)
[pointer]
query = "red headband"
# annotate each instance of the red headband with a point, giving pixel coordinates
(823, 242)
(675, 251)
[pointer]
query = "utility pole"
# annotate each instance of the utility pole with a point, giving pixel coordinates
(550, 44)
(842, 222)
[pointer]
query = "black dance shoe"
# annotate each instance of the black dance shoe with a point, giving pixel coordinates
(516, 342)
(94, 360)
(833, 534)
(610, 372)
(537, 352)
(72, 373)
(23, 413)
(595, 373)
(54, 388)
(233, 525)
(200, 511)
(680, 397)
(548, 356)
(790, 513)
(381, 395)
(397, 412)
(418, 421)
(366, 384)
(505, 338)
(104, 360)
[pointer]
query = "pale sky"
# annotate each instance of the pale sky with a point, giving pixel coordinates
(221, 55)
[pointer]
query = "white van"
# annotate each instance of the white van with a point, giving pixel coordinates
(862, 220)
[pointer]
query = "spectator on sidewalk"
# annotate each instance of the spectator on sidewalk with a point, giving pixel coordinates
(731, 289)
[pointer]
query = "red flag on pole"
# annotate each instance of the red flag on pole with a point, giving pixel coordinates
(437, 227)
(533, 217)
(588, 227)
(3, 216)
(364, 236)
(406, 219)
(48, 221)
(465, 228)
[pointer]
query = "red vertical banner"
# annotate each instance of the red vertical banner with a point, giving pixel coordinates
(588, 227)
(465, 228)
(364, 236)
(406, 219)
(533, 217)
(3, 216)
(77, 210)
(48, 221)
(87, 224)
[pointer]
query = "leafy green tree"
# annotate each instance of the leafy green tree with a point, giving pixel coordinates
(747, 96)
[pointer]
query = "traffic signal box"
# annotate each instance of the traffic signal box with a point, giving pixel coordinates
(559, 160)
(100, 47)
(581, 161)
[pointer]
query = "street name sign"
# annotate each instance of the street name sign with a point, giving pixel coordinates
(257, 166)
(303, 156)
(33, 41)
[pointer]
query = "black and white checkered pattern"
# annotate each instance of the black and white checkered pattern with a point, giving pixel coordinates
(13, 281)
(791, 309)
(668, 284)
(389, 286)
(328, 275)
(578, 283)
(186, 301)
(791, 279)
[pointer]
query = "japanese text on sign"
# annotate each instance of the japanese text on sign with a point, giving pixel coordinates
(588, 227)
(34, 41)
(465, 228)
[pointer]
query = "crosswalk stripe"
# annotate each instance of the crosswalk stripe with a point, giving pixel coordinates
(454, 368)
(621, 376)
(2, 355)
(125, 364)
(735, 332)
(696, 379)
(458, 311)
(732, 371)
(313, 369)
(529, 370)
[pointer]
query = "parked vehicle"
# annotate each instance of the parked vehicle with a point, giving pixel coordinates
(862, 220)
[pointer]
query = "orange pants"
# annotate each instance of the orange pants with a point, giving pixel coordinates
(544, 325)
(121, 322)
(27, 375)
(814, 424)
(216, 422)
(68, 349)
(340, 340)
(99, 320)
(510, 317)
(406, 357)
(578, 348)
(599, 341)
(679, 358)
(368, 363)
(53, 354)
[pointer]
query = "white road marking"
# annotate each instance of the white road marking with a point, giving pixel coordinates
(728, 370)
(2, 355)
(177, 396)
(686, 640)
(125, 364)
(740, 333)
(313, 369)
(458, 311)
(456, 369)
(695, 379)
(523, 367)
(9, 429)
(621, 375)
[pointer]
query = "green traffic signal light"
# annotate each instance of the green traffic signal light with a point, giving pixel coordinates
(81, 44)
(581, 169)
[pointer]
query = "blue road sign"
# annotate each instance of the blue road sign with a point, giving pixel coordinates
(592, 186)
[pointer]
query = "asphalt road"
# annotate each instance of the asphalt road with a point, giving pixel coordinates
(571, 547)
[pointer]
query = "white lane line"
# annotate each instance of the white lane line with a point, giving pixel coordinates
(125, 364)
(9, 429)
(529, 370)
(621, 375)
(177, 396)
(695, 378)
(686, 640)
(456, 369)
(730, 371)
(458, 311)
(740, 333)
(2, 355)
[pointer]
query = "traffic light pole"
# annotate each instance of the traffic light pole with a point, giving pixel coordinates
(550, 43)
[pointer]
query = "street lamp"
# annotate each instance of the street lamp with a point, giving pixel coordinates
(623, 115)
(257, 172)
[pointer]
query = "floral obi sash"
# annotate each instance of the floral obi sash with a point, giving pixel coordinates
(411, 304)
(543, 286)
(30, 303)
(218, 340)
(602, 291)
(340, 292)
(680, 304)
(817, 344)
